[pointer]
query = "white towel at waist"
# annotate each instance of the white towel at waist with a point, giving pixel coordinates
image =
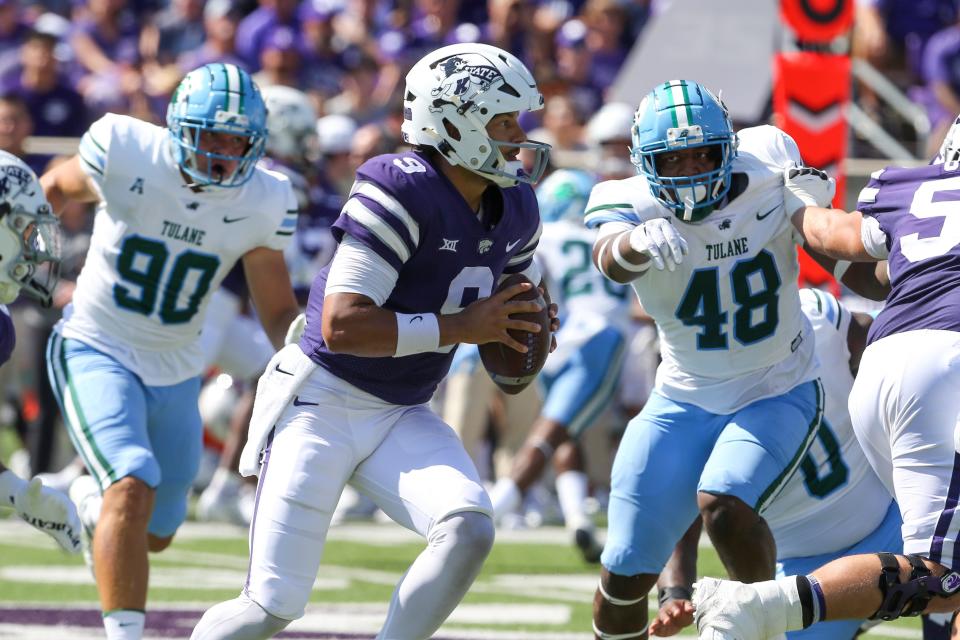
(283, 377)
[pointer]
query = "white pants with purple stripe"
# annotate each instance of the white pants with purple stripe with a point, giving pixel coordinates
(905, 407)
(405, 458)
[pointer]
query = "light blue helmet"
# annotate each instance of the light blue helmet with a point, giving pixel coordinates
(217, 98)
(676, 115)
(563, 195)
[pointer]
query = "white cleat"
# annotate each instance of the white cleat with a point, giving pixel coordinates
(85, 493)
(728, 610)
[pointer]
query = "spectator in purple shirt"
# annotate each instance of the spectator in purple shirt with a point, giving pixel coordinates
(106, 46)
(220, 21)
(13, 31)
(256, 28)
(56, 107)
(15, 127)
(574, 63)
(280, 59)
(606, 22)
(174, 31)
(941, 72)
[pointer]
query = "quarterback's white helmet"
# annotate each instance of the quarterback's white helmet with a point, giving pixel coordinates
(291, 123)
(29, 234)
(451, 95)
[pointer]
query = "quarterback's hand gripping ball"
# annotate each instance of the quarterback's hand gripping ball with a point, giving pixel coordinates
(510, 369)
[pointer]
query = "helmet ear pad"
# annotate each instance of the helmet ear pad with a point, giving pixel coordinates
(451, 96)
(217, 98)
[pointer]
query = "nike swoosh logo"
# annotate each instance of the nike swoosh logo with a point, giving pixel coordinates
(229, 220)
(761, 217)
(297, 403)
(286, 373)
(417, 318)
(511, 245)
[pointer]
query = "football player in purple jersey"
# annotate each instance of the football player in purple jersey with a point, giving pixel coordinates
(30, 250)
(905, 407)
(424, 238)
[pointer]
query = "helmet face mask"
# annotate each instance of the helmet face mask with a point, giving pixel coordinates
(451, 96)
(29, 235)
(678, 115)
(217, 99)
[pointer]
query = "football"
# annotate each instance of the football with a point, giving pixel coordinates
(510, 369)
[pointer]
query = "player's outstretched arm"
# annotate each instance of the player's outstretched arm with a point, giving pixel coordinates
(46, 509)
(271, 292)
(68, 181)
(833, 233)
(624, 253)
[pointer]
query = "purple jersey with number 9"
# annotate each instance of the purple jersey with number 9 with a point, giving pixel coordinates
(411, 215)
(919, 211)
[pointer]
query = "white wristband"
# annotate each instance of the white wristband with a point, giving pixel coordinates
(840, 268)
(417, 333)
(625, 264)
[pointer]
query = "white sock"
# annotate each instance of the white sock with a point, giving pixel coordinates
(440, 576)
(572, 492)
(124, 624)
(506, 498)
(781, 602)
(89, 510)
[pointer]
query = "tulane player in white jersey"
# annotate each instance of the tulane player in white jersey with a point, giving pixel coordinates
(835, 505)
(905, 408)
(29, 263)
(580, 377)
(177, 207)
(737, 398)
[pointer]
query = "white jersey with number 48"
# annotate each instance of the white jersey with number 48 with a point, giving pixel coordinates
(731, 328)
(159, 248)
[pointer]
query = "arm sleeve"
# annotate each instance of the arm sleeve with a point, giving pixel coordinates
(356, 268)
(874, 238)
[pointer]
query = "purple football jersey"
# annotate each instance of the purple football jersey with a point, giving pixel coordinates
(917, 209)
(413, 217)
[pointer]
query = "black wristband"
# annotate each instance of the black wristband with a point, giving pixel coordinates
(674, 593)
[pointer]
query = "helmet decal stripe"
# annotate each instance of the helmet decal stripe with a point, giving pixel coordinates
(681, 108)
(234, 88)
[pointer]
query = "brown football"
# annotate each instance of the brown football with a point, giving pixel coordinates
(510, 369)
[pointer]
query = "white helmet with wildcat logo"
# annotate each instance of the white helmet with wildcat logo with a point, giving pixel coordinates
(451, 95)
(291, 124)
(29, 234)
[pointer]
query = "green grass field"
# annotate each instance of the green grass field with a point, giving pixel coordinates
(533, 586)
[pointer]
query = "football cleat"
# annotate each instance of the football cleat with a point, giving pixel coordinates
(85, 493)
(585, 539)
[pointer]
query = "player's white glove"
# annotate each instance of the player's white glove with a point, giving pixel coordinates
(295, 330)
(660, 240)
(806, 187)
(50, 511)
